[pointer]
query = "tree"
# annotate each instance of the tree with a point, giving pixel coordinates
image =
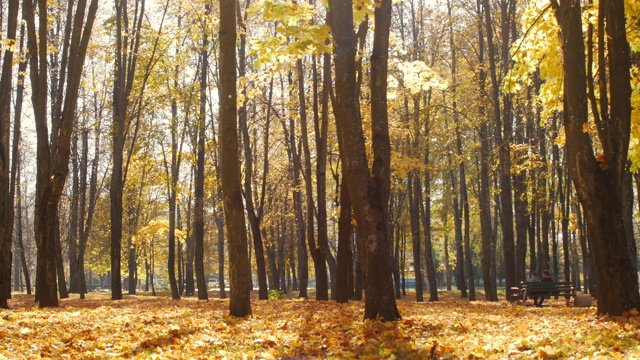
(486, 230)
(599, 179)
(15, 186)
(463, 196)
(6, 200)
(368, 189)
(255, 217)
(172, 172)
(239, 304)
(127, 115)
(198, 207)
(415, 197)
(317, 251)
(126, 60)
(502, 132)
(53, 155)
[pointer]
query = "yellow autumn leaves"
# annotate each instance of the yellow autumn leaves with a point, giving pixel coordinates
(146, 327)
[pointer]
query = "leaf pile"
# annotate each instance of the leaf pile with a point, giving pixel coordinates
(158, 327)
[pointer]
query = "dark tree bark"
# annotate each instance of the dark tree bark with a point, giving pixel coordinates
(53, 156)
(368, 190)
(282, 238)
(62, 283)
(239, 304)
(520, 200)
(180, 254)
(15, 165)
(485, 182)
(21, 249)
(415, 196)
(218, 217)
(272, 258)
(317, 252)
(426, 224)
(198, 207)
(348, 264)
(564, 192)
(189, 281)
(221, 280)
(395, 208)
(599, 184)
(461, 281)
(502, 132)
(6, 200)
(462, 191)
(345, 252)
(321, 127)
(254, 215)
(301, 245)
(125, 66)
(173, 174)
(73, 233)
(86, 211)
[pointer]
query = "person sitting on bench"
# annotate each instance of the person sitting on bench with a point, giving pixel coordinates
(546, 277)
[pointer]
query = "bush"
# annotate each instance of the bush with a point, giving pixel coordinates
(276, 295)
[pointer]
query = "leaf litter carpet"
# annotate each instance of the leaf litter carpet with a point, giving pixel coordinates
(146, 327)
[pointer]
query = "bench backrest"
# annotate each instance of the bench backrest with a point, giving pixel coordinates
(564, 287)
(547, 285)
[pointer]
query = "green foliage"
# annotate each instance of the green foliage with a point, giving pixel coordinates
(277, 295)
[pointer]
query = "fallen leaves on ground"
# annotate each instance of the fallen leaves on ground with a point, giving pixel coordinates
(161, 328)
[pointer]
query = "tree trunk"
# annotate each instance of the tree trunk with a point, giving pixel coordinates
(368, 190)
(189, 283)
(62, 284)
(125, 65)
(345, 253)
(175, 169)
(72, 236)
(86, 211)
(484, 200)
(255, 216)
(520, 199)
(316, 251)
(321, 127)
(218, 217)
(15, 190)
(23, 258)
(282, 267)
(461, 282)
(6, 201)
(414, 192)
(301, 246)
(53, 158)
(599, 184)
(502, 131)
(239, 304)
(396, 262)
(198, 207)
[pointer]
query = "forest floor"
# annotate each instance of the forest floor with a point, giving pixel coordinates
(143, 326)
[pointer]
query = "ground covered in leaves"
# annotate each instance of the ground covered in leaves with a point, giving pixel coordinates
(158, 327)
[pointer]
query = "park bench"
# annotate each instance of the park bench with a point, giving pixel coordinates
(529, 290)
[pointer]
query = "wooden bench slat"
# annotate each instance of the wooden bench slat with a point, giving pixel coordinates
(528, 290)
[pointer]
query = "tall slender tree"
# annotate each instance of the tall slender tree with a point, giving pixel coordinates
(126, 61)
(6, 201)
(198, 207)
(254, 215)
(54, 150)
(239, 304)
(369, 189)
